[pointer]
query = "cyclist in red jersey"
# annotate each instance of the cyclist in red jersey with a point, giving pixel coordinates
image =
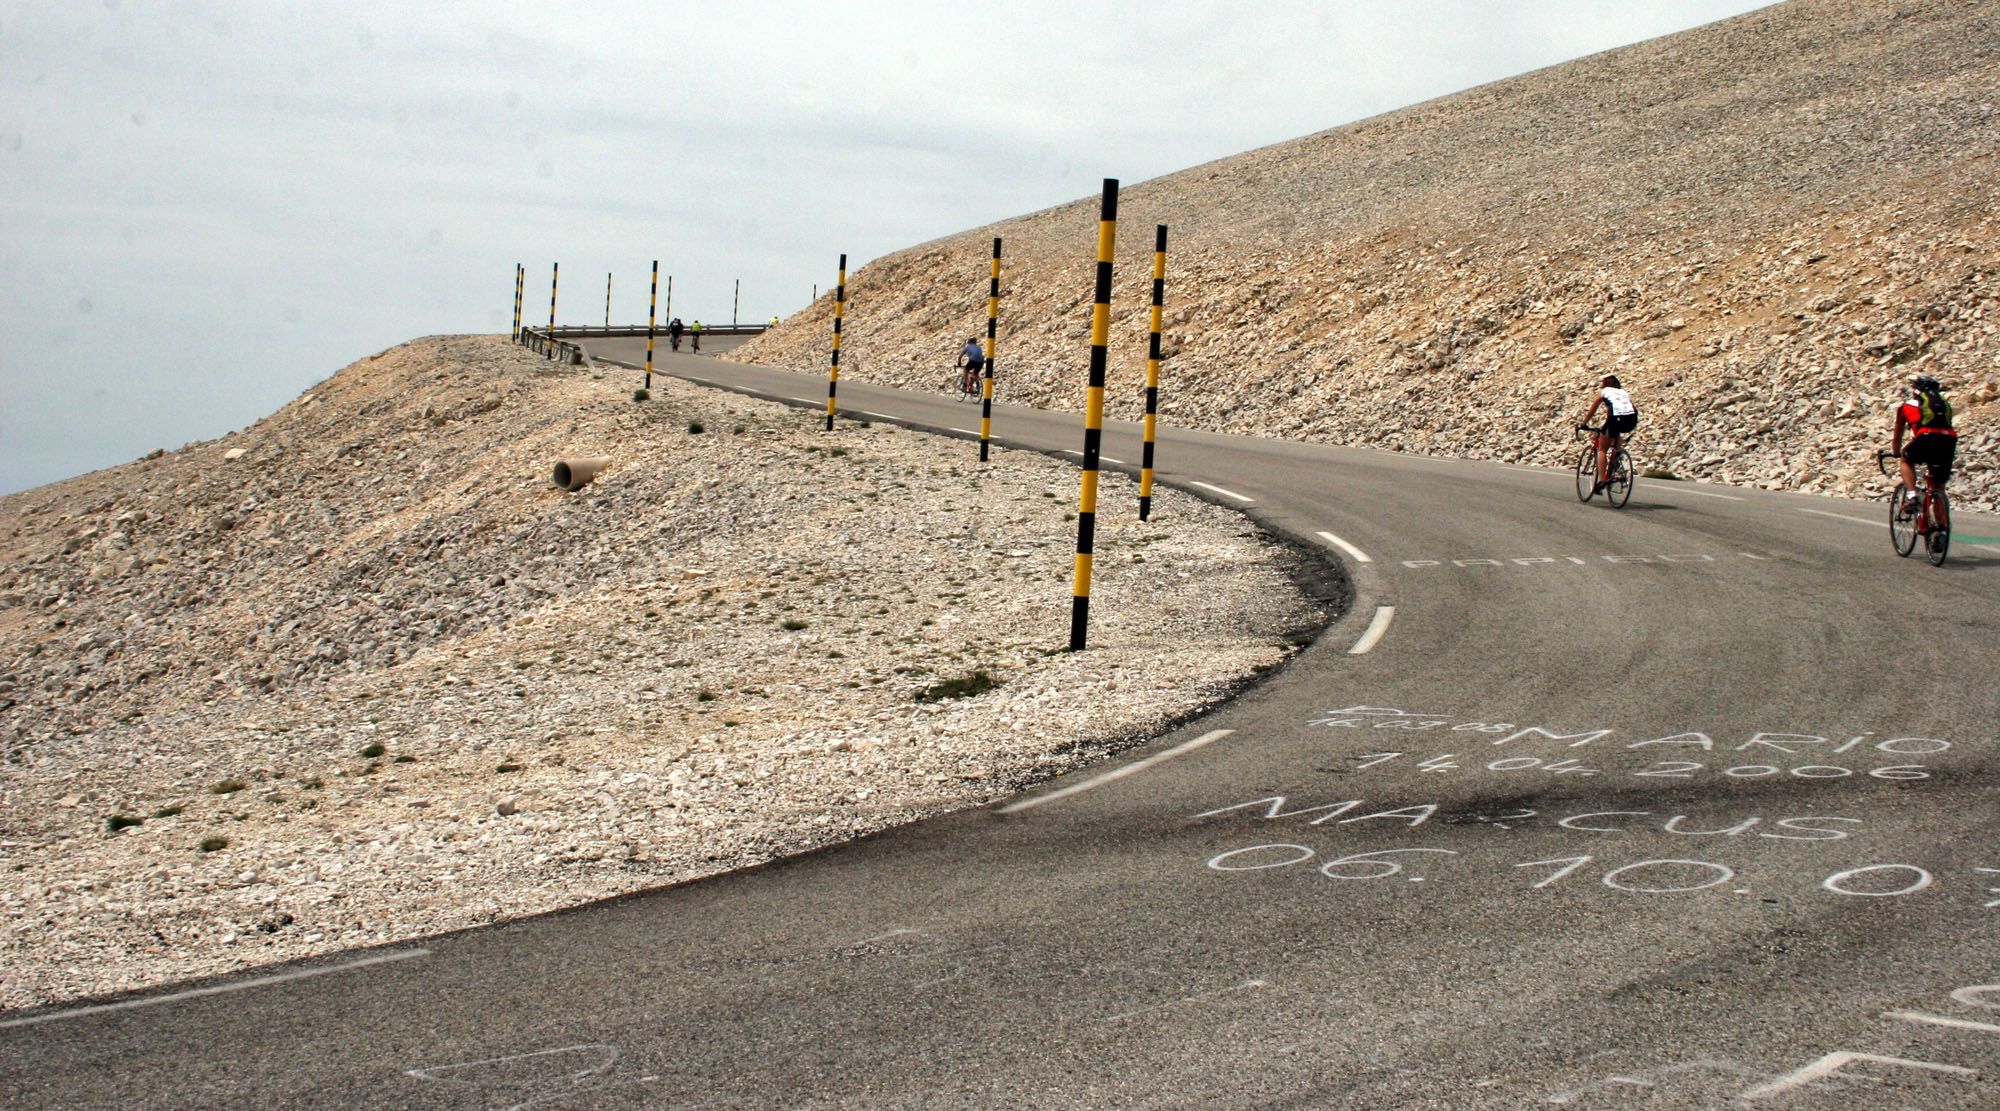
(1933, 440)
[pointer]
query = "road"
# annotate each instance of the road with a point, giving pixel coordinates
(1686, 805)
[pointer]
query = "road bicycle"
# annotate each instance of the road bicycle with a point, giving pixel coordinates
(1618, 477)
(968, 382)
(1927, 516)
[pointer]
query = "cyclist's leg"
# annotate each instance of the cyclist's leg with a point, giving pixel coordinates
(1603, 445)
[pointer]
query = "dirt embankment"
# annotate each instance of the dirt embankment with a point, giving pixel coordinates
(1764, 227)
(361, 672)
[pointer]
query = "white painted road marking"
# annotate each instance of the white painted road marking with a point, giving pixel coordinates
(1224, 493)
(1679, 489)
(1383, 615)
(877, 416)
(815, 402)
(962, 431)
(1116, 773)
(1829, 1066)
(1843, 517)
(1359, 555)
(1941, 1020)
(1108, 459)
(194, 993)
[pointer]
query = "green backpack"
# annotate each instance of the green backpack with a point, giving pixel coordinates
(1933, 410)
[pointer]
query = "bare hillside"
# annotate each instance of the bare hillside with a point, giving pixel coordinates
(360, 672)
(1762, 226)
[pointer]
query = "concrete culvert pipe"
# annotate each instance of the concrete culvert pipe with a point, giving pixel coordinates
(575, 474)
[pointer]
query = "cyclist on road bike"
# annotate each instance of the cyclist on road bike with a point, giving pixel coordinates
(973, 360)
(1620, 417)
(1933, 441)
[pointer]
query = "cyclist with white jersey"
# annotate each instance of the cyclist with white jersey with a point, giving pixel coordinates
(1620, 417)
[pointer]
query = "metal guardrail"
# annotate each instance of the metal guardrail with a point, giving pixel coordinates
(660, 330)
(540, 343)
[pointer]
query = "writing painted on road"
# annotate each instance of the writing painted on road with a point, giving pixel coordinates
(1755, 755)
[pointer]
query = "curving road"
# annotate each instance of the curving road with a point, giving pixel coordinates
(1686, 805)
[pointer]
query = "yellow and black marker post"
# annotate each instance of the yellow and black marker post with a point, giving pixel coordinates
(555, 271)
(992, 348)
(520, 278)
(1093, 418)
(607, 302)
(833, 374)
(670, 297)
(652, 306)
(1153, 370)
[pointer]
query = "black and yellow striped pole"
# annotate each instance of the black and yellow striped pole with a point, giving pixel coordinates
(670, 297)
(1093, 418)
(833, 374)
(607, 302)
(1153, 370)
(555, 271)
(735, 302)
(520, 279)
(992, 345)
(652, 305)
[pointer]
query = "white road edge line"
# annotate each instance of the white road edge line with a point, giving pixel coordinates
(1679, 489)
(1108, 459)
(1116, 773)
(1843, 517)
(219, 989)
(1359, 555)
(1225, 493)
(813, 401)
(962, 431)
(1383, 615)
(877, 416)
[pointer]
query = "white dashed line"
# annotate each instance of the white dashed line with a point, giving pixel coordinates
(1383, 615)
(1843, 517)
(1224, 493)
(1359, 555)
(242, 985)
(1116, 773)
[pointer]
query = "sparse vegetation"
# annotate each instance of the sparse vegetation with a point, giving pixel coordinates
(696, 428)
(508, 766)
(213, 844)
(791, 625)
(642, 394)
(228, 787)
(117, 822)
(373, 750)
(168, 811)
(965, 686)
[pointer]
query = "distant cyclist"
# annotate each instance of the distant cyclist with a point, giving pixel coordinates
(674, 331)
(695, 331)
(1933, 441)
(1620, 417)
(973, 360)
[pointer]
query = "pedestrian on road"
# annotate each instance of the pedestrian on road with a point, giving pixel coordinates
(674, 331)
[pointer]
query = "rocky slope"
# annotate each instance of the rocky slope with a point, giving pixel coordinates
(362, 673)
(1763, 226)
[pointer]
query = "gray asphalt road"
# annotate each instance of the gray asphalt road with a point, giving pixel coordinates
(1685, 805)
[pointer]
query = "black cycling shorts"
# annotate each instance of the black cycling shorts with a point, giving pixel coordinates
(1615, 425)
(1933, 451)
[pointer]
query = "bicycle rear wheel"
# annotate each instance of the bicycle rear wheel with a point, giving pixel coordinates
(1586, 474)
(1938, 539)
(1902, 521)
(1619, 483)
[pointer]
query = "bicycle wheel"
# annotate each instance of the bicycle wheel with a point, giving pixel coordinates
(1902, 521)
(1586, 474)
(1938, 539)
(1619, 483)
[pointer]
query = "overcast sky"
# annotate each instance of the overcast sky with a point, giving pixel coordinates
(205, 207)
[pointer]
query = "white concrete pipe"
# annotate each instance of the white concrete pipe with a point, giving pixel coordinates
(575, 474)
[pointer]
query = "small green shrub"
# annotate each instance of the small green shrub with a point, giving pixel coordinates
(509, 766)
(642, 394)
(965, 686)
(695, 427)
(373, 750)
(404, 760)
(117, 822)
(228, 787)
(214, 844)
(792, 625)
(704, 695)
(168, 811)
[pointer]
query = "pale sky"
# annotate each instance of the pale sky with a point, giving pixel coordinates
(205, 207)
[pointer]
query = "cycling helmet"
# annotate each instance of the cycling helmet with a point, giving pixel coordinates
(1925, 383)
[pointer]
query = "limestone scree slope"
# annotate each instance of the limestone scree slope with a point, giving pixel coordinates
(1764, 226)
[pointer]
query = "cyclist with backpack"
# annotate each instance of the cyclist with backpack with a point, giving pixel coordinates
(973, 360)
(1933, 440)
(1620, 417)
